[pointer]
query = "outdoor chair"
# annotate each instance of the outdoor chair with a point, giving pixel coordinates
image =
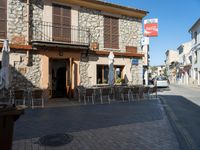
(153, 92)
(135, 93)
(126, 93)
(89, 94)
(37, 98)
(17, 97)
(145, 92)
(105, 93)
(81, 93)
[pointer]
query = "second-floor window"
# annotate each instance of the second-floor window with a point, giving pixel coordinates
(195, 37)
(61, 23)
(3, 17)
(111, 32)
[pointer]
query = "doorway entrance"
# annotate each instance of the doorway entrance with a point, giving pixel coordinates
(59, 76)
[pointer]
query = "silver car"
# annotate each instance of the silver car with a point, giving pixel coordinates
(161, 82)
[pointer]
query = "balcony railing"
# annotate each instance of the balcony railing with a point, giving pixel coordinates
(49, 32)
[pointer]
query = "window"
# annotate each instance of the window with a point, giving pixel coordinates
(195, 37)
(3, 18)
(118, 72)
(61, 23)
(111, 32)
(102, 73)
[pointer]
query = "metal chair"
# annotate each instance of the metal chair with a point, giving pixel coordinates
(18, 97)
(89, 94)
(145, 92)
(126, 92)
(105, 93)
(135, 93)
(153, 92)
(37, 98)
(81, 93)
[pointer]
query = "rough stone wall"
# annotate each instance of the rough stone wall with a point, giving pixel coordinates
(130, 31)
(137, 73)
(85, 80)
(36, 12)
(92, 20)
(17, 19)
(17, 27)
(24, 76)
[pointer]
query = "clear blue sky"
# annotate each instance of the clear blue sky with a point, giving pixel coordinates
(175, 19)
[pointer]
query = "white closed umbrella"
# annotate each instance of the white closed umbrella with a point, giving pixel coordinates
(5, 70)
(111, 69)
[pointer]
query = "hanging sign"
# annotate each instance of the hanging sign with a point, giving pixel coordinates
(151, 27)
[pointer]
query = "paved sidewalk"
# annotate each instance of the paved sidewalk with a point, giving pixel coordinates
(118, 126)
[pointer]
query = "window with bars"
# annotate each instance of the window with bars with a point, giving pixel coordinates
(111, 32)
(3, 18)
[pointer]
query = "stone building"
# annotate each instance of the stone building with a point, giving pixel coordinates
(57, 45)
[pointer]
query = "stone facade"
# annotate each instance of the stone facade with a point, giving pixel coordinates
(92, 20)
(17, 19)
(130, 29)
(130, 32)
(17, 27)
(136, 72)
(24, 76)
(36, 18)
(84, 78)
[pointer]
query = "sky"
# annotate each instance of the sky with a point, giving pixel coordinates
(175, 18)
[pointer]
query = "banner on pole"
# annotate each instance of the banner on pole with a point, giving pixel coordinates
(151, 27)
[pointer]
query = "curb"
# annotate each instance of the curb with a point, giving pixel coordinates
(184, 139)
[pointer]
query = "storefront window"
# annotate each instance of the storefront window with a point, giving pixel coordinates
(102, 73)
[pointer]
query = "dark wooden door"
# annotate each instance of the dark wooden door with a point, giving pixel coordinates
(3, 19)
(111, 32)
(61, 23)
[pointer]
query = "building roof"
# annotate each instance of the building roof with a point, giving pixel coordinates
(109, 7)
(196, 23)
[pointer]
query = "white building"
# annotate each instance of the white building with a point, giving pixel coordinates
(171, 59)
(184, 65)
(195, 52)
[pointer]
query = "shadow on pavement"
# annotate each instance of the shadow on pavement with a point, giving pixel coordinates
(40, 122)
(184, 117)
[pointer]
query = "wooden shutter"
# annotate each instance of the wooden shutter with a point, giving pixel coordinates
(3, 18)
(115, 33)
(111, 33)
(61, 23)
(107, 32)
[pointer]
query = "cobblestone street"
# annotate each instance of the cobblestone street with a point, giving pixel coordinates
(119, 126)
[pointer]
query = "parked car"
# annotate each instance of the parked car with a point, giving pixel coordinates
(161, 81)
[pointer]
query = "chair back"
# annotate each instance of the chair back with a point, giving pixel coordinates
(36, 94)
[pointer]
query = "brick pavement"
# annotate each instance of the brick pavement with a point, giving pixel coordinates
(122, 126)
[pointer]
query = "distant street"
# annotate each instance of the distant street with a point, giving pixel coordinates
(182, 104)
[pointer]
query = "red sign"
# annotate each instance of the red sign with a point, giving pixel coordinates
(151, 27)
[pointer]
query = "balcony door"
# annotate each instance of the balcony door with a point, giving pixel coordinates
(3, 17)
(61, 23)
